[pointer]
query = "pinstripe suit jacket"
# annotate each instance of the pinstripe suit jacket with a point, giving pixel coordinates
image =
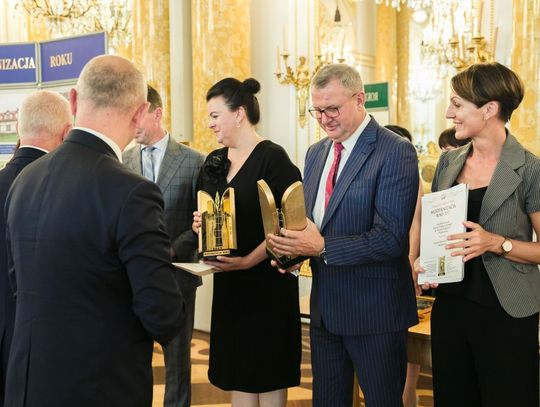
(513, 193)
(177, 181)
(365, 286)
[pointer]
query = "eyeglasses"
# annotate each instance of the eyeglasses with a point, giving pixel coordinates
(331, 112)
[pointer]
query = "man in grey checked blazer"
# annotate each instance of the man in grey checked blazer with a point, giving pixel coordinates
(362, 297)
(175, 169)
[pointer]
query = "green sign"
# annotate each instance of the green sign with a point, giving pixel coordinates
(376, 96)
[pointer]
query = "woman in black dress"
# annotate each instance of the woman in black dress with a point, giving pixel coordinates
(255, 344)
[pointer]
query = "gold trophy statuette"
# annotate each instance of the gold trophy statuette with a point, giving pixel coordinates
(218, 229)
(292, 216)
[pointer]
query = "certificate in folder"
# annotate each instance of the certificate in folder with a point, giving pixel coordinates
(443, 214)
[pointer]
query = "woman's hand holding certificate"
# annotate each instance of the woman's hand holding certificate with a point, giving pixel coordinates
(475, 242)
(444, 214)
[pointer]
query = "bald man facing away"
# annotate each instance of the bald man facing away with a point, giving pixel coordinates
(92, 271)
(44, 119)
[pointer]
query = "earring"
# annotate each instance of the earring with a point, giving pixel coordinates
(238, 123)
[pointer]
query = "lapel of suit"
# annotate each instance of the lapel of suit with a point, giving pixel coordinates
(311, 187)
(171, 161)
(133, 159)
(448, 175)
(361, 151)
(505, 179)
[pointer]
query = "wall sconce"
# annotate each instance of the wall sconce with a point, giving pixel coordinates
(300, 78)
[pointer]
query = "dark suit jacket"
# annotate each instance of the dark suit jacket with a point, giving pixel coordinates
(512, 194)
(365, 287)
(93, 280)
(21, 159)
(177, 180)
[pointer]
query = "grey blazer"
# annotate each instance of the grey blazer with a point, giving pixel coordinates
(177, 180)
(513, 193)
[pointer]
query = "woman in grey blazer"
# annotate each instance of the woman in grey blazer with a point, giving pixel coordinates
(485, 328)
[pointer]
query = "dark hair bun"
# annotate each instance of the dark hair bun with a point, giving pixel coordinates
(251, 85)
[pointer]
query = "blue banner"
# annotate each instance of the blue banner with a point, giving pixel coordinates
(63, 60)
(18, 64)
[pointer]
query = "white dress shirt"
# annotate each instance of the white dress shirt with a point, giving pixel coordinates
(348, 145)
(159, 152)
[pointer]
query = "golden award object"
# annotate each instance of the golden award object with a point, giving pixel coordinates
(218, 229)
(292, 216)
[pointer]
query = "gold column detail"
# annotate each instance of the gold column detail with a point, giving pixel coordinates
(386, 62)
(221, 48)
(402, 44)
(525, 121)
(392, 63)
(149, 48)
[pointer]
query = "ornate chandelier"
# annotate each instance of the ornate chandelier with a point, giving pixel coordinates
(71, 17)
(453, 36)
(414, 4)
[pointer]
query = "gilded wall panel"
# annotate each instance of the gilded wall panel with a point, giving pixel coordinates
(386, 51)
(221, 48)
(392, 62)
(149, 48)
(525, 123)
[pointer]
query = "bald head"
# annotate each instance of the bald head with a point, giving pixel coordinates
(44, 119)
(110, 81)
(110, 98)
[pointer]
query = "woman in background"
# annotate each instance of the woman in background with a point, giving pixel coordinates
(484, 329)
(448, 141)
(255, 344)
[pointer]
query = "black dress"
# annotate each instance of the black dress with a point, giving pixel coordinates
(255, 332)
(475, 343)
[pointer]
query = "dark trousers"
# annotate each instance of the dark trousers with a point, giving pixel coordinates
(482, 357)
(177, 355)
(6, 335)
(380, 361)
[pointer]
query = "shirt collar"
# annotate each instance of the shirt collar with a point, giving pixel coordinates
(349, 144)
(160, 145)
(106, 139)
(36, 147)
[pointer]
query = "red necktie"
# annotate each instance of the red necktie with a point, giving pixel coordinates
(332, 175)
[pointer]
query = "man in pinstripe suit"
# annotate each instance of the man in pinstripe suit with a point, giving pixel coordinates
(360, 184)
(175, 169)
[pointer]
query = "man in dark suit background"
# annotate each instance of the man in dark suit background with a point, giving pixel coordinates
(44, 119)
(360, 185)
(175, 169)
(91, 262)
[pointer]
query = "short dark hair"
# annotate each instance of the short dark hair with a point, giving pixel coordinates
(483, 83)
(400, 131)
(238, 94)
(448, 138)
(154, 98)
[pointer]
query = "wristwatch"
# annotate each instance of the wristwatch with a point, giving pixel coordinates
(506, 247)
(322, 254)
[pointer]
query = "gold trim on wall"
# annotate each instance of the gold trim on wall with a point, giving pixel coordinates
(392, 63)
(149, 48)
(525, 121)
(221, 48)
